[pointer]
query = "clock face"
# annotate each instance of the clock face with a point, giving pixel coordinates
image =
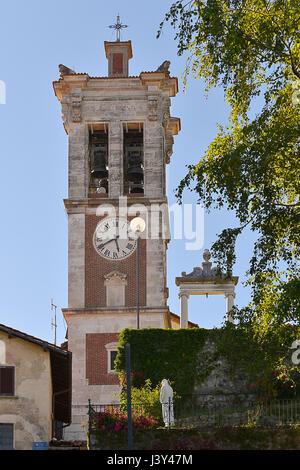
(113, 238)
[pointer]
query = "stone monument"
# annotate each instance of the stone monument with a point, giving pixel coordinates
(205, 281)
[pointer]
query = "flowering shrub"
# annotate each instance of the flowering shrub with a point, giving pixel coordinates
(137, 379)
(144, 397)
(279, 383)
(114, 420)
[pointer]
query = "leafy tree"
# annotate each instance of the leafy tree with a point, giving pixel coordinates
(251, 48)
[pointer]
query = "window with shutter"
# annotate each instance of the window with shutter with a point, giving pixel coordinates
(7, 375)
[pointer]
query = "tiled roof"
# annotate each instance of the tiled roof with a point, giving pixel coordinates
(107, 77)
(20, 334)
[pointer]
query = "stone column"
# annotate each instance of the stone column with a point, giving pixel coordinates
(78, 148)
(229, 304)
(76, 260)
(115, 160)
(183, 309)
(153, 159)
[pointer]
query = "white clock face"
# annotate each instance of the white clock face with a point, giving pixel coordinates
(113, 238)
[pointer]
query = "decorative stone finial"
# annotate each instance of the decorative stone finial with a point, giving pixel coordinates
(206, 255)
(65, 70)
(164, 67)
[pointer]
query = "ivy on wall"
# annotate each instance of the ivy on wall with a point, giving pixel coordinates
(159, 354)
(174, 354)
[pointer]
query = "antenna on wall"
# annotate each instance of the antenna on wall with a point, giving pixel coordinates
(54, 307)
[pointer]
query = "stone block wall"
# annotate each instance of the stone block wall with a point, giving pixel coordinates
(220, 387)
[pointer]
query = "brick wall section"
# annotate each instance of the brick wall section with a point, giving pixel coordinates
(96, 267)
(117, 63)
(96, 359)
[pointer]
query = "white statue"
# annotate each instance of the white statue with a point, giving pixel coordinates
(166, 399)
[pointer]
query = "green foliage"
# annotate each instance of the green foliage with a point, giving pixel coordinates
(265, 360)
(144, 398)
(246, 437)
(182, 358)
(147, 398)
(251, 48)
(244, 349)
(224, 438)
(159, 353)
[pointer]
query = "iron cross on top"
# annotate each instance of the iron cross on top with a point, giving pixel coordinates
(118, 26)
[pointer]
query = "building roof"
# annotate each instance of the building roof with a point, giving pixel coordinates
(176, 319)
(106, 77)
(44, 344)
(61, 371)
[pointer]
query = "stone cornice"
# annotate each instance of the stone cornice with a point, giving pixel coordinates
(82, 81)
(118, 45)
(205, 280)
(82, 203)
(114, 310)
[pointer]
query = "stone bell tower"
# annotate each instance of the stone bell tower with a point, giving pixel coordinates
(120, 136)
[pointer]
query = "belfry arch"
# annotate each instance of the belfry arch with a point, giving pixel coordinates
(205, 281)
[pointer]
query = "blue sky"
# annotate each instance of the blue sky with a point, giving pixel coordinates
(35, 37)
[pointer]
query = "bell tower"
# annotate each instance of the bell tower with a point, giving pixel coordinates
(120, 136)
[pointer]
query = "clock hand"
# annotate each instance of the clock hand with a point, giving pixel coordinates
(105, 243)
(111, 240)
(116, 240)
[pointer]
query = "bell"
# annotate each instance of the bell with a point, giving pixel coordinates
(137, 188)
(135, 174)
(98, 165)
(135, 170)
